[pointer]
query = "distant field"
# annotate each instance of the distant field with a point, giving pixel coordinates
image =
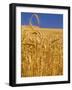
(41, 51)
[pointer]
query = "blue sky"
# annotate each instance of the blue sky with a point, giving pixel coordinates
(45, 20)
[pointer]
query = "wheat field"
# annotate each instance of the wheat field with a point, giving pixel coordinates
(41, 51)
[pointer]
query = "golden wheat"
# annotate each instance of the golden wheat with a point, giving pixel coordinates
(41, 52)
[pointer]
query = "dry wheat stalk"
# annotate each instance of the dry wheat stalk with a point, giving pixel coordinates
(42, 53)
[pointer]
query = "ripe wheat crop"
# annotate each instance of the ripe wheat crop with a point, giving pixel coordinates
(41, 51)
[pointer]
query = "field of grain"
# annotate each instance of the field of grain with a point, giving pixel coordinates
(41, 51)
